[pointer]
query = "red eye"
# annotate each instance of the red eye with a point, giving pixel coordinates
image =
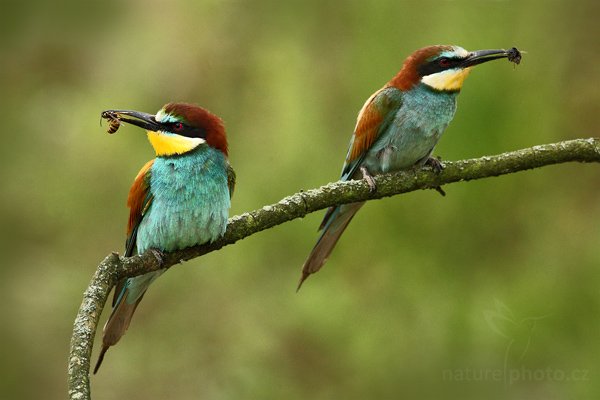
(444, 62)
(177, 126)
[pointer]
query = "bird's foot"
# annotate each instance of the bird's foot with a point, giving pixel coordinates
(435, 164)
(159, 255)
(437, 167)
(370, 180)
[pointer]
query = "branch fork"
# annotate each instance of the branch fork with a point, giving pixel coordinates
(115, 267)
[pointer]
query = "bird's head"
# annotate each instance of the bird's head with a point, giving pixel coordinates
(445, 68)
(177, 128)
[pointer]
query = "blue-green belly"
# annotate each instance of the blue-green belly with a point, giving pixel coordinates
(190, 206)
(191, 201)
(414, 131)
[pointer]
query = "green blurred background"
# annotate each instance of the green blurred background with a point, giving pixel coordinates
(490, 292)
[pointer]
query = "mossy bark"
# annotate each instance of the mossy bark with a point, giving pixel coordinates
(113, 267)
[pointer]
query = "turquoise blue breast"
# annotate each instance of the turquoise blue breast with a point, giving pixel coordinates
(414, 131)
(191, 201)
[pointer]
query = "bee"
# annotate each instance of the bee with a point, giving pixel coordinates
(514, 55)
(113, 121)
(113, 125)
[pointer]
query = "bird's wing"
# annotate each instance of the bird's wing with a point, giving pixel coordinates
(230, 179)
(373, 119)
(138, 201)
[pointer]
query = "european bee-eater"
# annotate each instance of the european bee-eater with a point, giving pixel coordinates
(399, 126)
(179, 199)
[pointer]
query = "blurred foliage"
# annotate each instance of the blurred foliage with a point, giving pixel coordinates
(501, 275)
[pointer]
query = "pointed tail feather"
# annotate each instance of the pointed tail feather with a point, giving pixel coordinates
(128, 295)
(117, 324)
(335, 222)
(100, 358)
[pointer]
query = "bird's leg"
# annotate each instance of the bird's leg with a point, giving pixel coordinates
(435, 164)
(437, 167)
(369, 178)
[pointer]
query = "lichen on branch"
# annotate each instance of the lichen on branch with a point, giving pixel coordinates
(113, 267)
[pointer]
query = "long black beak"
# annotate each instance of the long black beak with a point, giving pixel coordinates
(141, 119)
(481, 56)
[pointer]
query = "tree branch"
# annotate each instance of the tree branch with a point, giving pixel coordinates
(113, 267)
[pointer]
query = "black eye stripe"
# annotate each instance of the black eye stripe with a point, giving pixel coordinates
(188, 131)
(434, 66)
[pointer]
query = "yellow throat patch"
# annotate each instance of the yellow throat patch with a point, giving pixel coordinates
(170, 145)
(449, 80)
